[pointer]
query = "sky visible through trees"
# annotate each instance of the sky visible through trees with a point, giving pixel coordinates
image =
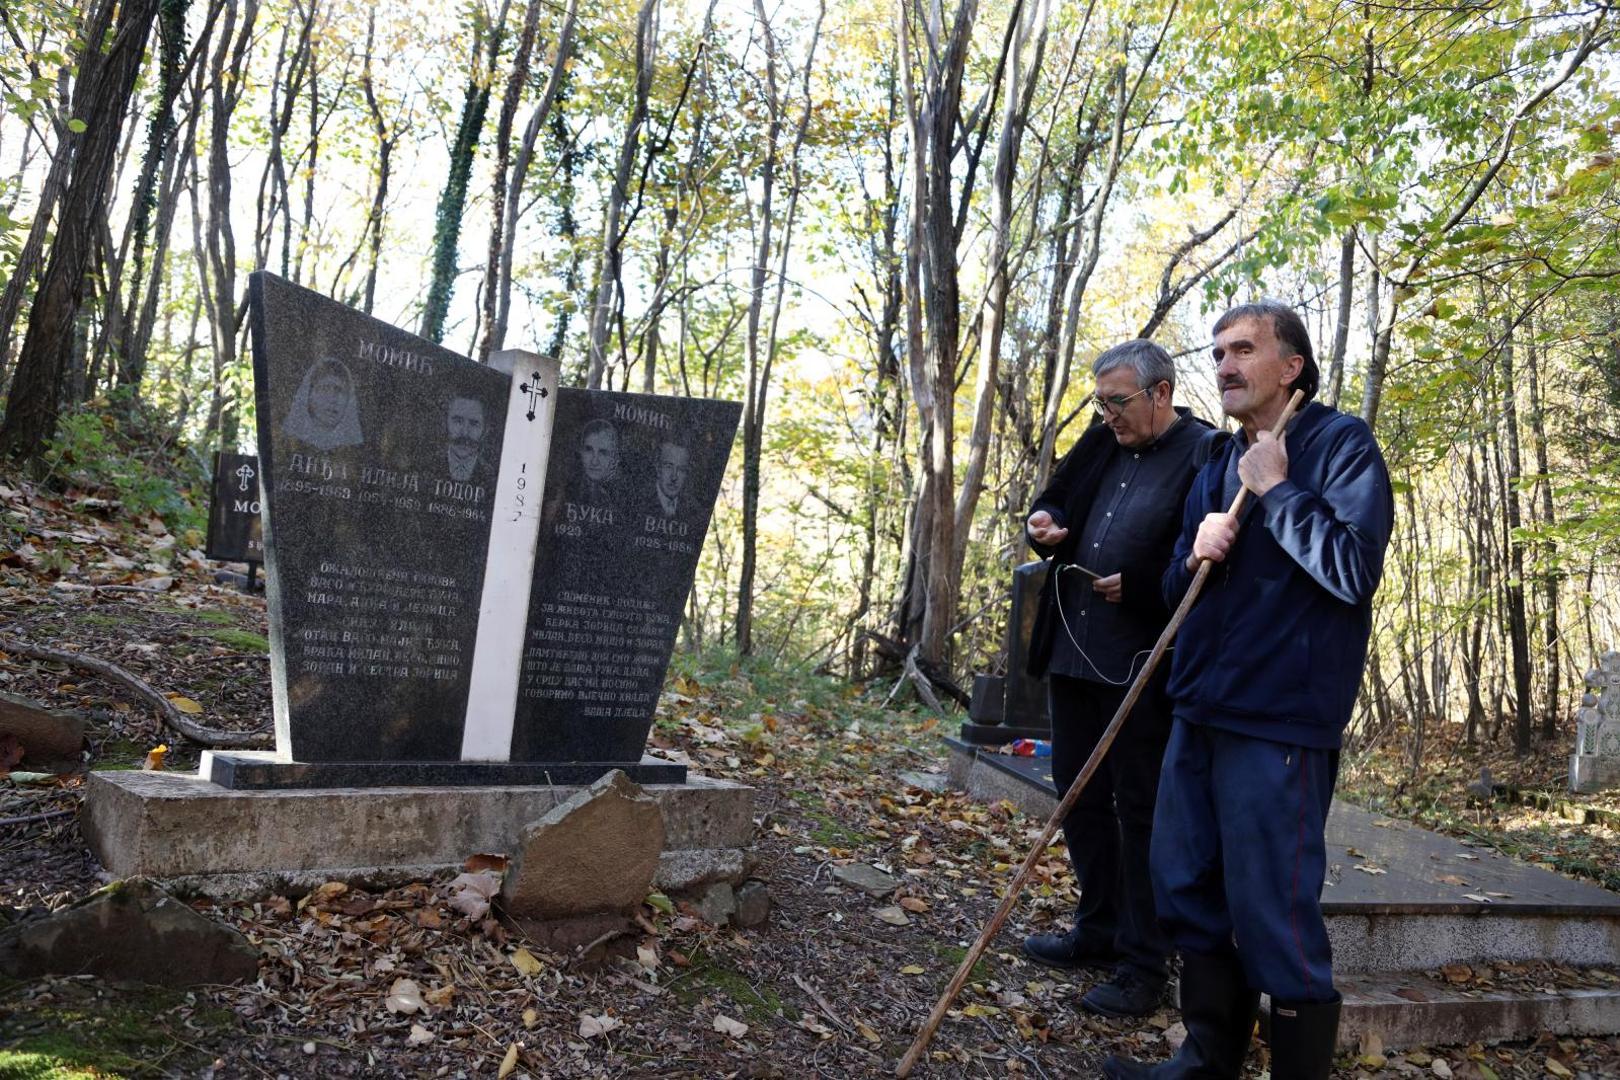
(898, 233)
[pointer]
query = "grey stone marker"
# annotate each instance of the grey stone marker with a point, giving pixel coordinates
(1595, 764)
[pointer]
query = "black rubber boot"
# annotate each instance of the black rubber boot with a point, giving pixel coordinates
(1218, 1008)
(1303, 1038)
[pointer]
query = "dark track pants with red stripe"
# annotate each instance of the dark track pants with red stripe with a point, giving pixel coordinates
(1238, 852)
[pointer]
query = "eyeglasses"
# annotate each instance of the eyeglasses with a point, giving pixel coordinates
(1113, 406)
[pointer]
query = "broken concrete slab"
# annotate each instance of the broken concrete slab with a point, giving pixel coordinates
(680, 871)
(52, 740)
(596, 852)
(129, 931)
(869, 879)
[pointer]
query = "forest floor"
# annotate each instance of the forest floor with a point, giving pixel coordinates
(835, 984)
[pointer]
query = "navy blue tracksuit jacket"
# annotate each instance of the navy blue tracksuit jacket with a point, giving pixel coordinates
(1275, 646)
(1267, 665)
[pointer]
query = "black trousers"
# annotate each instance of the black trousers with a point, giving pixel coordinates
(1110, 829)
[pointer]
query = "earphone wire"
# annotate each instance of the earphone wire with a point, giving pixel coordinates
(1130, 669)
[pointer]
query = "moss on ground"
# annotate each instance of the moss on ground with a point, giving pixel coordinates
(82, 1031)
(758, 1005)
(240, 640)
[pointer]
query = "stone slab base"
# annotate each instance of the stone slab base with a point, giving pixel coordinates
(262, 770)
(180, 828)
(1593, 772)
(1412, 941)
(1417, 1012)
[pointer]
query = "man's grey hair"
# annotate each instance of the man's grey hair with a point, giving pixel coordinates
(1150, 362)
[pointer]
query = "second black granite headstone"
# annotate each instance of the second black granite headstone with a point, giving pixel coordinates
(234, 532)
(632, 483)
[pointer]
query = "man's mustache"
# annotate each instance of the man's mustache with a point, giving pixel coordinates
(464, 443)
(1232, 382)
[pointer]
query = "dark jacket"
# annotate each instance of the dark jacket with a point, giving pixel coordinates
(1068, 498)
(1275, 645)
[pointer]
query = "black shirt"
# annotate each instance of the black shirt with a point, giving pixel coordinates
(1139, 499)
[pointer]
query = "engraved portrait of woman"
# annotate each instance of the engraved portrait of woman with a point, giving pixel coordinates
(324, 413)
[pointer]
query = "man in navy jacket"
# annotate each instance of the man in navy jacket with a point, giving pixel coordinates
(1265, 675)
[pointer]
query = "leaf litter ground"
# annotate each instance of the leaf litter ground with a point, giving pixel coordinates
(420, 981)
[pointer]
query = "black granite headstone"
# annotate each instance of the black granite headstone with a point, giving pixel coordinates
(378, 501)
(450, 600)
(234, 531)
(632, 482)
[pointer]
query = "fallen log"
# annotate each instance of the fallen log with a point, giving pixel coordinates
(172, 717)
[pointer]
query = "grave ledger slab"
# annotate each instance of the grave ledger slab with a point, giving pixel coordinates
(449, 601)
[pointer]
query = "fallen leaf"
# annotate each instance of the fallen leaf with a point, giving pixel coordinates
(725, 1025)
(509, 1062)
(981, 1010)
(661, 902)
(419, 1035)
(912, 969)
(154, 758)
(404, 997)
(1457, 973)
(1477, 898)
(914, 904)
(530, 1018)
(1557, 1068)
(440, 996)
(525, 961)
(647, 957)
(1369, 868)
(471, 893)
(868, 1034)
(1441, 1068)
(1450, 879)
(485, 860)
(184, 704)
(893, 916)
(592, 1026)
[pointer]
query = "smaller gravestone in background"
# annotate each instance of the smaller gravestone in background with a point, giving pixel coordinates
(1595, 764)
(234, 531)
(1013, 706)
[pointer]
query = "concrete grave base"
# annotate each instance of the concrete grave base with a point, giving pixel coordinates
(201, 838)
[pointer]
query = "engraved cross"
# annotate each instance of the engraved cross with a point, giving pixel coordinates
(245, 473)
(535, 392)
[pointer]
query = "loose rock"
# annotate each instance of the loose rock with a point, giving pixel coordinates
(597, 852)
(130, 931)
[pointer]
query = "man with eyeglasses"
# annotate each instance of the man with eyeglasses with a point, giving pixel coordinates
(1109, 520)
(1265, 675)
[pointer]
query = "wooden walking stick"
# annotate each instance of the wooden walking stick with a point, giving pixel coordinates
(1020, 879)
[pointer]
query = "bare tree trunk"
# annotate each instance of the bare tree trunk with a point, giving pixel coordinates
(1549, 573)
(753, 428)
(1030, 19)
(453, 199)
(504, 235)
(107, 72)
(612, 235)
(1341, 328)
(1518, 630)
